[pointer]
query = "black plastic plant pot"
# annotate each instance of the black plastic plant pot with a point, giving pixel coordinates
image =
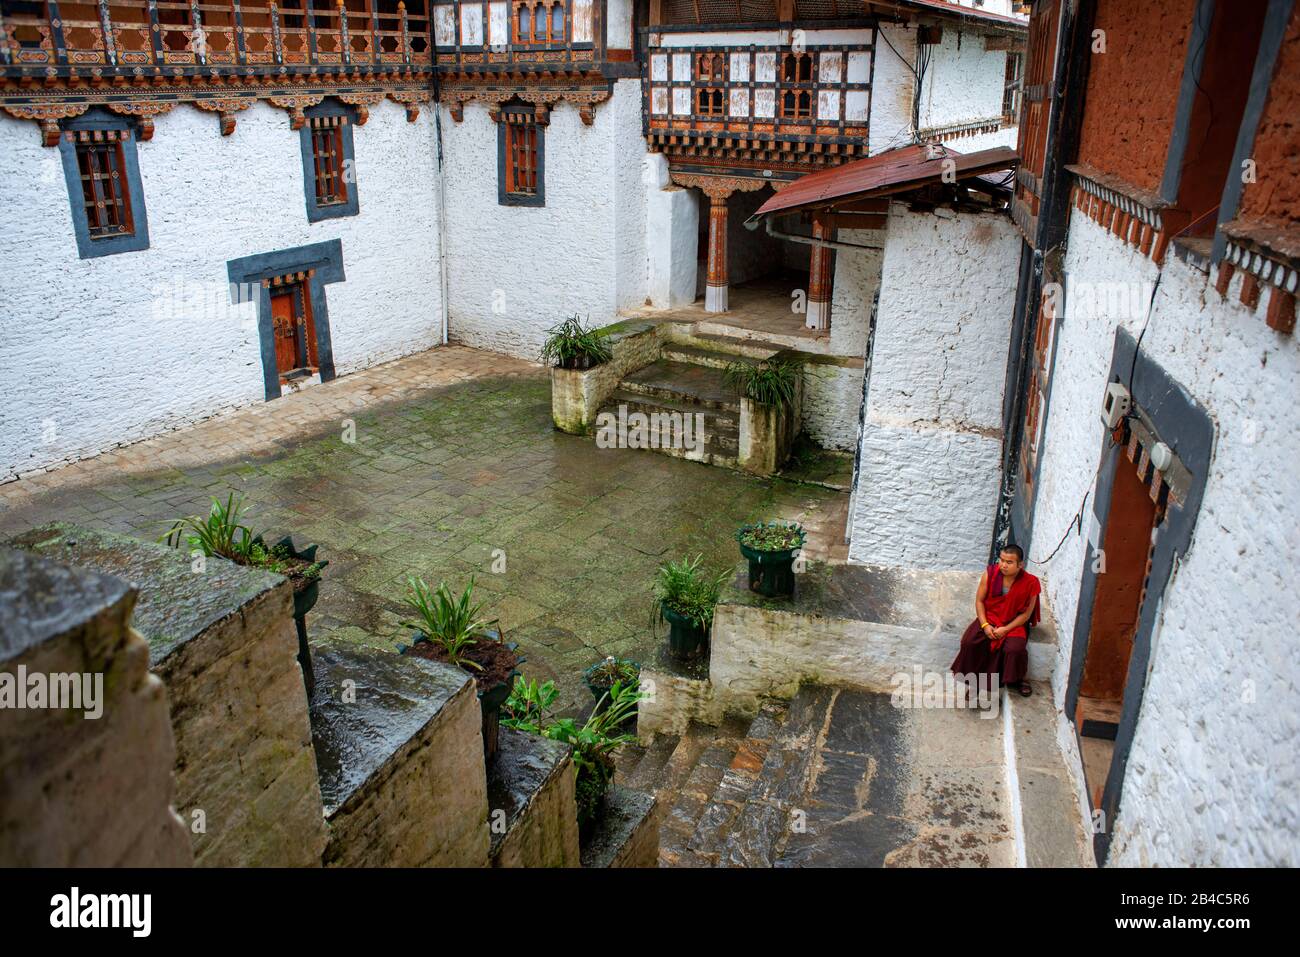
(685, 638)
(771, 574)
(303, 602)
(598, 691)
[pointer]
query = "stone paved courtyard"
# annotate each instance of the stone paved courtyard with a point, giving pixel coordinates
(454, 462)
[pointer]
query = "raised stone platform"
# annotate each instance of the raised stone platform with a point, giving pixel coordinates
(223, 641)
(852, 625)
(85, 781)
(399, 745)
(531, 811)
(627, 833)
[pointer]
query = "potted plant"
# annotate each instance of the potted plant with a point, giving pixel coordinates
(769, 382)
(572, 345)
(770, 548)
(604, 674)
(684, 597)
(594, 741)
(223, 535)
(451, 630)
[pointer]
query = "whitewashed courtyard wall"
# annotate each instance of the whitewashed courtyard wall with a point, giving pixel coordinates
(515, 271)
(98, 353)
(931, 442)
(1212, 774)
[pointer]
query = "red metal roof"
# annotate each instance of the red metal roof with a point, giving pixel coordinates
(893, 171)
(973, 13)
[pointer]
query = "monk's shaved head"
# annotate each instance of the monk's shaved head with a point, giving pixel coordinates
(1015, 550)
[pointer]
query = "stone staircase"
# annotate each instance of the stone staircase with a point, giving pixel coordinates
(832, 778)
(688, 379)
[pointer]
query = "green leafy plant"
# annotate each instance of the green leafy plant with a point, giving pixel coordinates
(221, 533)
(594, 741)
(771, 536)
(453, 623)
(688, 589)
(611, 670)
(571, 345)
(770, 382)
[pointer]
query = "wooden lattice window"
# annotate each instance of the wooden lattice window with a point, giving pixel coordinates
(538, 24)
(522, 161)
(1014, 79)
(103, 182)
(327, 157)
(796, 68)
(796, 105)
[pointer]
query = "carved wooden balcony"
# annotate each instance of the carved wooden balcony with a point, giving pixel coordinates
(175, 40)
(483, 40)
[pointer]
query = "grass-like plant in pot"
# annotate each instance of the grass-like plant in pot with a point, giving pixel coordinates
(594, 741)
(770, 549)
(572, 345)
(685, 595)
(770, 382)
(607, 672)
(223, 534)
(453, 630)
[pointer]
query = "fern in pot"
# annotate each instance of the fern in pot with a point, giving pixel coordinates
(685, 596)
(573, 345)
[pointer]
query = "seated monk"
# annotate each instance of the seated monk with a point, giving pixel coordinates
(997, 640)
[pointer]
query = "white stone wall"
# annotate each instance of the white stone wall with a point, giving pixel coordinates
(892, 86)
(832, 398)
(964, 82)
(857, 277)
(102, 352)
(1212, 774)
(930, 454)
(515, 271)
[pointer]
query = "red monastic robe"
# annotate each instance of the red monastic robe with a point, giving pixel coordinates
(1007, 656)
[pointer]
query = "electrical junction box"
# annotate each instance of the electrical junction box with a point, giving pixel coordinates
(1116, 404)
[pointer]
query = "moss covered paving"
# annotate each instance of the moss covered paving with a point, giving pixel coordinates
(562, 537)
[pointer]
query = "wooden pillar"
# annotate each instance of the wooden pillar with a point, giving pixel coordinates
(715, 293)
(820, 277)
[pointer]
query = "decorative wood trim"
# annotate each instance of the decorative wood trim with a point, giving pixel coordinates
(718, 188)
(226, 110)
(363, 102)
(1265, 256)
(295, 105)
(48, 116)
(144, 111)
(411, 99)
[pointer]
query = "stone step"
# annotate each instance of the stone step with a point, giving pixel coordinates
(721, 429)
(691, 797)
(731, 345)
(652, 762)
(626, 759)
(683, 383)
(701, 356)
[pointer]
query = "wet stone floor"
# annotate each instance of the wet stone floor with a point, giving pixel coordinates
(467, 480)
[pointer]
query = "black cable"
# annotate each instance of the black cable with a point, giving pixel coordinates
(1138, 348)
(881, 33)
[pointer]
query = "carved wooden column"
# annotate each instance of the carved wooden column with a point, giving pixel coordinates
(715, 293)
(820, 277)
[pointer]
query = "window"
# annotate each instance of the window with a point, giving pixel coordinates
(1011, 88)
(710, 68)
(520, 143)
(103, 179)
(796, 105)
(539, 24)
(328, 165)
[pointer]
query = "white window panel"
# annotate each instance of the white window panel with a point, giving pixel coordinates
(682, 101)
(765, 67)
(681, 67)
(659, 67)
(859, 67)
(740, 68)
(764, 104)
(444, 25)
(829, 66)
(499, 25)
(739, 102)
(580, 19)
(659, 99)
(856, 104)
(471, 25)
(828, 105)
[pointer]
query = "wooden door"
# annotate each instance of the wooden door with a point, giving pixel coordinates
(285, 323)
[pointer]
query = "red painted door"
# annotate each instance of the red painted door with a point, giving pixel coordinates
(285, 322)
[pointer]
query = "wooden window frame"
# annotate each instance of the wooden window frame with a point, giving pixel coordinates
(549, 36)
(521, 148)
(108, 210)
(330, 189)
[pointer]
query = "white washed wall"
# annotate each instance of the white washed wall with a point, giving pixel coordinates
(1212, 775)
(930, 446)
(515, 271)
(101, 352)
(964, 82)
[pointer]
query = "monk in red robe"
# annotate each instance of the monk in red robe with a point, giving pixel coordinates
(997, 641)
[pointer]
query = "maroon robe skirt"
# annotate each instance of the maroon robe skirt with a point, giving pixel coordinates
(976, 656)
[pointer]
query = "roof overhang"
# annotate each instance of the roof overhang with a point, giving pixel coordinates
(886, 174)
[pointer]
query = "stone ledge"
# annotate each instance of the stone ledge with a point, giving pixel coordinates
(627, 833)
(531, 804)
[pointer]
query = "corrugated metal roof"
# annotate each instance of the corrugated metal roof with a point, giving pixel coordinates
(893, 171)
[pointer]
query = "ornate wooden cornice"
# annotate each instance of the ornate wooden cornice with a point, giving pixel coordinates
(585, 99)
(47, 115)
(226, 110)
(718, 188)
(411, 99)
(296, 105)
(363, 102)
(144, 111)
